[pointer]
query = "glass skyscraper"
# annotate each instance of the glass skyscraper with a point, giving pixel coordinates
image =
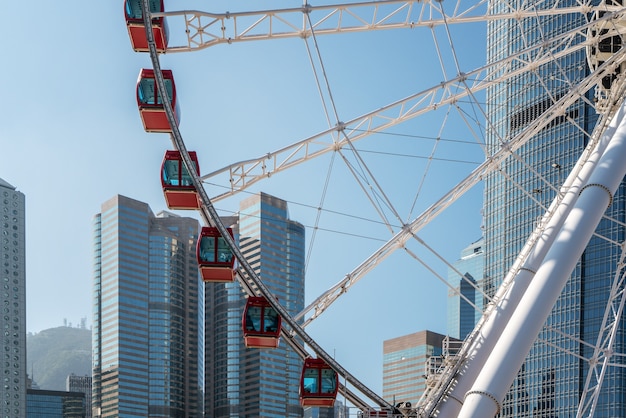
(252, 382)
(147, 325)
(550, 381)
(13, 320)
(462, 316)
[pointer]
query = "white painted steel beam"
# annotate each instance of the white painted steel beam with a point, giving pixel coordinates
(519, 277)
(509, 351)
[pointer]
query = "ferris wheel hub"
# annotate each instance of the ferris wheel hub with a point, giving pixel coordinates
(604, 41)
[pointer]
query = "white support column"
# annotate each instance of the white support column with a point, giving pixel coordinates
(509, 352)
(507, 302)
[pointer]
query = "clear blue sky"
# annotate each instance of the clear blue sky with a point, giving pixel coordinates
(71, 138)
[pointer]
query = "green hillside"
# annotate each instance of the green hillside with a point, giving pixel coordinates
(55, 353)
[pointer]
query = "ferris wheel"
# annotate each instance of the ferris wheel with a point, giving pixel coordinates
(558, 71)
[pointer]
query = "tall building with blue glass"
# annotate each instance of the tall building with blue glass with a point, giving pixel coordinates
(252, 382)
(146, 326)
(13, 319)
(465, 302)
(550, 381)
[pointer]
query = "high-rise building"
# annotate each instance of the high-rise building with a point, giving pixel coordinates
(550, 380)
(405, 362)
(146, 327)
(81, 384)
(462, 316)
(13, 319)
(252, 382)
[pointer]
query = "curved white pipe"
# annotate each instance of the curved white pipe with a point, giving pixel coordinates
(495, 324)
(509, 352)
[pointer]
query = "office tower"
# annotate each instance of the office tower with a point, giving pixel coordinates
(252, 382)
(146, 356)
(55, 404)
(462, 316)
(405, 360)
(550, 381)
(81, 384)
(13, 319)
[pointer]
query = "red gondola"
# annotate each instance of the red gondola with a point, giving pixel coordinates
(150, 103)
(318, 384)
(261, 324)
(215, 258)
(178, 188)
(137, 29)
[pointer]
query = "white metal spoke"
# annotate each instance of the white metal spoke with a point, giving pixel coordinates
(246, 173)
(398, 240)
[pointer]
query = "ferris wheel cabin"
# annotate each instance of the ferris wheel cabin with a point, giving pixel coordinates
(137, 29)
(178, 187)
(215, 258)
(261, 324)
(319, 384)
(150, 102)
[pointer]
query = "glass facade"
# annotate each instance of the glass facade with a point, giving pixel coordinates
(13, 319)
(55, 404)
(404, 363)
(462, 316)
(146, 334)
(550, 381)
(252, 382)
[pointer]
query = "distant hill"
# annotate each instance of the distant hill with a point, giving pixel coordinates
(55, 353)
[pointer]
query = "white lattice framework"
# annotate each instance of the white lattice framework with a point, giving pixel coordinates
(207, 29)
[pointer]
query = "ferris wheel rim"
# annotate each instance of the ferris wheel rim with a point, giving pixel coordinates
(211, 215)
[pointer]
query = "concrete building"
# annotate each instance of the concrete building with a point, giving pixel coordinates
(146, 328)
(80, 384)
(13, 320)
